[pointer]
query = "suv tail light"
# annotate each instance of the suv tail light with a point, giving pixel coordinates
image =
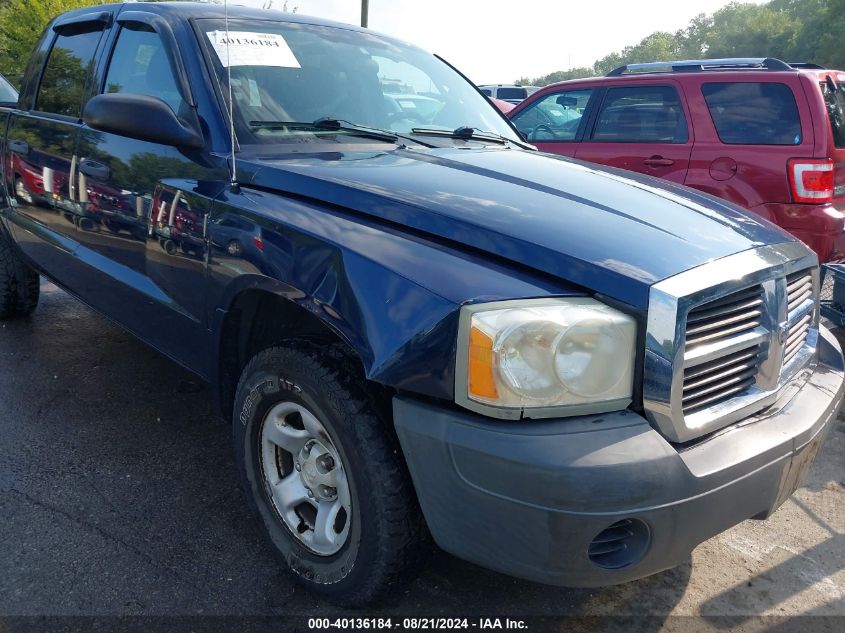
(811, 180)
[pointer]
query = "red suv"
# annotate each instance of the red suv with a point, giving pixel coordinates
(766, 135)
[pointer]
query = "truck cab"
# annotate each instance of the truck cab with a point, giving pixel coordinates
(414, 323)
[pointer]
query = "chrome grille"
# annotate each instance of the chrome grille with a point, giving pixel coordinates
(724, 338)
(800, 303)
(726, 371)
(715, 381)
(725, 318)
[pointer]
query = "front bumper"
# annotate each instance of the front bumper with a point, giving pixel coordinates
(529, 498)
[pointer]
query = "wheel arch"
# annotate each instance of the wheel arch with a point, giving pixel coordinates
(390, 347)
(252, 323)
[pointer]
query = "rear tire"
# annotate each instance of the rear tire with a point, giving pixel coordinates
(376, 547)
(19, 283)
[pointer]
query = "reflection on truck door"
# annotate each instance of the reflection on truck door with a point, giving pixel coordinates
(41, 152)
(160, 258)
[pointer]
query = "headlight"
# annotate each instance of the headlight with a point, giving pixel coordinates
(545, 358)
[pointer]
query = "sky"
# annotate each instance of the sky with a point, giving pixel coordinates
(493, 41)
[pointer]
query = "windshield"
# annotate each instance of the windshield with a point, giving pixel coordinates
(289, 72)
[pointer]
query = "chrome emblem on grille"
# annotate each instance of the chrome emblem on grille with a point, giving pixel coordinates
(783, 333)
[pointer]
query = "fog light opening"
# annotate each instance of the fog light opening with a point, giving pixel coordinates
(620, 545)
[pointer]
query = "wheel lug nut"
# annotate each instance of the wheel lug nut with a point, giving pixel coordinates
(298, 466)
(310, 494)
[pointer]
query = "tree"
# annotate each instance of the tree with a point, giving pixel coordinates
(820, 38)
(792, 30)
(656, 47)
(21, 24)
(23, 21)
(560, 75)
(751, 30)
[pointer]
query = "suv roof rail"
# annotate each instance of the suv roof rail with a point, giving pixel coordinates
(807, 65)
(698, 65)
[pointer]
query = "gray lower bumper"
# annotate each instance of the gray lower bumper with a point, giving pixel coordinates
(529, 498)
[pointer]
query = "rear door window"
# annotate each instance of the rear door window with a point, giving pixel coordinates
(68, 68)
(753, 113)
(834, 100)
(641, 114)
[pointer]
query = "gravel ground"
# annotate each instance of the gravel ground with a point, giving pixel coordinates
(119, 497)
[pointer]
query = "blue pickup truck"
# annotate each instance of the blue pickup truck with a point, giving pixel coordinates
(415, 323)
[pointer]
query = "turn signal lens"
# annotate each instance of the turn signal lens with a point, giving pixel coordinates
(481, 382)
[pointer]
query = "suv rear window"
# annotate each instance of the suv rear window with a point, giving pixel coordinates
(753, 113)
(834, 100)
(511, 93)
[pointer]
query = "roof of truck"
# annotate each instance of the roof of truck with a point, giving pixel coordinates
(209, 10)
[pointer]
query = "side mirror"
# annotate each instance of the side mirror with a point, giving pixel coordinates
(140, 117)
(569, 102)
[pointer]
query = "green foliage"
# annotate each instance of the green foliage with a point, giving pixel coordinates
(23, 21)
(560, 75)
(62, 82)
(791, 30)
(21, 24)
(751, 30)
(659, 45)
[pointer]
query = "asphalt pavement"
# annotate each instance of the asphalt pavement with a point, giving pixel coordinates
(119, 497)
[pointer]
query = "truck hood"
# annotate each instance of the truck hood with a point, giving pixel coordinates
(607, 230)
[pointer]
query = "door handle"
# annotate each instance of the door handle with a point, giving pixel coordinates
(19, 147)
(95, 170)
(658, 161)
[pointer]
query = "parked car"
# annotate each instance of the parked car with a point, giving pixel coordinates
(564, 373)
(36, 178)
(508, 92)
(29, 180)
(175, 224)
(227, 233)
(757, 132)
(503, 106)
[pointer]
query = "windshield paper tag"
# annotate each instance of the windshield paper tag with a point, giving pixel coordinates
(252, 49)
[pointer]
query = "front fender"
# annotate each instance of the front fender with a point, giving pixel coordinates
(393, 297)
(406, 340)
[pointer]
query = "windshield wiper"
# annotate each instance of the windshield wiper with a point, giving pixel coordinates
(469, 133)
(331, 124)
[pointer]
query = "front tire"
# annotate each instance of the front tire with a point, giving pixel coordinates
(325, 474)
(19, 283)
